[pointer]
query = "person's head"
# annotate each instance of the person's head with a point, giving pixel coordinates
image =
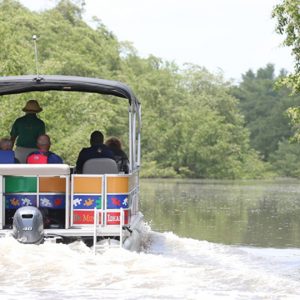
(96, 138)
(114, 143)
(32, 107)
(5, 144)
(43, 142)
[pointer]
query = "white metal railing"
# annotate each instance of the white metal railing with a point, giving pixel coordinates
(96, 225)
(122, 221)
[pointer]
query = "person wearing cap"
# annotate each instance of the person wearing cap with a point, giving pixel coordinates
(97, 150)
(26, 130)
(43, 155)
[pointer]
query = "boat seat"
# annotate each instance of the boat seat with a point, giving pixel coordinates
(100, 166)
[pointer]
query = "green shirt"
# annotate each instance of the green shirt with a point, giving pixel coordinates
(27, 129)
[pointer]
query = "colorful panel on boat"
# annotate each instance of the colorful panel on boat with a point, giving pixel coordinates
(84, 217)
(117, 184)
(20, 184)
(87, 185)
(113, 218)
(117, 201)
(53, 201)
(86, 201)
(52, 185)
(17, 200)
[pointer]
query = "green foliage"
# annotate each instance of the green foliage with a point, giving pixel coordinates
(294, 116)
(286, 160)
(264, 108)
(272, 116)
(287, 15)
(192, 126)
(288, 24)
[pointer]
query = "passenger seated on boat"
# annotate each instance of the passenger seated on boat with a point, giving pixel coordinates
(97, 150)
(43, 155)
(121, 158)
(7, 155)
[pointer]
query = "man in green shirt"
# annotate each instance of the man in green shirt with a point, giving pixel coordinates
(26, 130)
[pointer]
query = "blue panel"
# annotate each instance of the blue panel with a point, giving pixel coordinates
(117, 201)
(7, 157)
(53, 201)
(17, 200)
(86, 201)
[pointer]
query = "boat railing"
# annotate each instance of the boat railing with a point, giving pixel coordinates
(97, 229)
(114, 196)
(43, 186)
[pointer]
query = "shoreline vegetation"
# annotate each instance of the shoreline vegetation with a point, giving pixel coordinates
(195, 123)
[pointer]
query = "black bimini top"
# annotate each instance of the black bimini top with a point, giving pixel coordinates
(33, 83)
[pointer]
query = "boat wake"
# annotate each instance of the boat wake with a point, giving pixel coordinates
(169, 267)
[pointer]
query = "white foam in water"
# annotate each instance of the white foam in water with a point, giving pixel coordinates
(170, 268)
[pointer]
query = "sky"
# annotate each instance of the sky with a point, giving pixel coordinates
(228, 36)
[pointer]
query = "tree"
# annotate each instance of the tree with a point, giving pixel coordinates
(264, 108)
(287, 15)
(286, 159)
(192, 125)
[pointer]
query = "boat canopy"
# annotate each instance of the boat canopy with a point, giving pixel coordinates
(33, 83)
(41, 83)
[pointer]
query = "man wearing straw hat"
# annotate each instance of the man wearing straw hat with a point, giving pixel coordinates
(26, 130)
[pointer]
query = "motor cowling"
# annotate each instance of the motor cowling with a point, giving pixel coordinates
(28, 225)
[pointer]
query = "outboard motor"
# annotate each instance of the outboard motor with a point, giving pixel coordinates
(28, 226)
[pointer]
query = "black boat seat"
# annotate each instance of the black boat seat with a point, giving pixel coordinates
(100, 166)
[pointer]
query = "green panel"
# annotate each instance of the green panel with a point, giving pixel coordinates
(19, 184)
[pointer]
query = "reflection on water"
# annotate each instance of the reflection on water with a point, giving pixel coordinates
(256, 213)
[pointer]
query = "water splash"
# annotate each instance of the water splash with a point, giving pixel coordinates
(169, 268)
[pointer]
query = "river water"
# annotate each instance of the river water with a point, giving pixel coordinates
(206, 239)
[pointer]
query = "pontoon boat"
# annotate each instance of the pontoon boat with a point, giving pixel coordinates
(99, 207)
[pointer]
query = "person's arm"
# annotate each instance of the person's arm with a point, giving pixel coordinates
(13, 139)
(124, 155)
(125, 162)
(109, 154)
(54, 158)
(79, 162)
(13, 133)
(42, 129)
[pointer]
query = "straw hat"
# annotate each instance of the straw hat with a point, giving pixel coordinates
(32, 106)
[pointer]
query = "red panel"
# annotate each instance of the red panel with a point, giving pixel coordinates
(113, 218)
(84, 217)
